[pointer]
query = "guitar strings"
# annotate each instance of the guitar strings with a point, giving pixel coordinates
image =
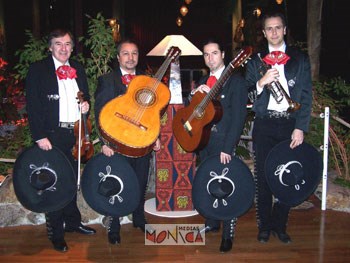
(146, 97)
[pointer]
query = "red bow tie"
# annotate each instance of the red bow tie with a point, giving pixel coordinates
(64, 72)
(211, 81)
(276, 57)
(127, 78)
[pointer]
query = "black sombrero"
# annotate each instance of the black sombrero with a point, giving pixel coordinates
(221, 191)
(44, 181)
(293, 174)
(110, 186)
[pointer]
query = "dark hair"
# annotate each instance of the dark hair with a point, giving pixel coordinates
(125, 41)
(214, 41)
(274, 14)
(59, 32)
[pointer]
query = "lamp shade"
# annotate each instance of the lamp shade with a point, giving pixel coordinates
(186, 47)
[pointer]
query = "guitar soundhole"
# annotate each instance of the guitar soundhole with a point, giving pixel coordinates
(145, 97)
(198, 112)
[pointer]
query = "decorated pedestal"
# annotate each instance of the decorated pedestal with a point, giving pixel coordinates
(175, 169)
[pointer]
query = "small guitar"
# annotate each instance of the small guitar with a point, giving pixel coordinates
(130, 123)
(192, 124)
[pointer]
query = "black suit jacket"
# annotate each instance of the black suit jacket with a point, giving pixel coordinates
(233, 99)
(298, 74)
(109, 87)
(42, 95)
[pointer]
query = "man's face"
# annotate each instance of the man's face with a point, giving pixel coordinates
(213, 57)
(61, 48)
(274, 31)
(128, 57)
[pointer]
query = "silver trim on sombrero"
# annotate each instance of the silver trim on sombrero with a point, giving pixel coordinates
(36, 169)
(220, 178)
(104, 176)
(280, 169)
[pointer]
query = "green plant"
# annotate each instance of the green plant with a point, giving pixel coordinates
(333, 93)
(33, 50)
(102, 52)
(102, 49)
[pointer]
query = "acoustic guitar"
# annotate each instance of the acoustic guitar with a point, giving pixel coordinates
(192, 124)
(130, 123)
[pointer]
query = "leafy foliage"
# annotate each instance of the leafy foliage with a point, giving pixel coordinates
(33, 50)
(102, 49)
(102, 52)
(333, 93)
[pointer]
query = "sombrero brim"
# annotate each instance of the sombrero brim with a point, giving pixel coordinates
(130, 195)
(238, 203)
(48, 201)
(312, 166)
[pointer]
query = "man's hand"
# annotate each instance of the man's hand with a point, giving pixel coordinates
(202, 88)
(107, 151)
(156, 146)
(297, 138)
(44, 144)
(270, 76)
(225, 158)
(85, 107)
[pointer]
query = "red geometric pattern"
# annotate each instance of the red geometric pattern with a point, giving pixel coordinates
(182, 171)
(175, 169)
(164, 153)
(163, 197)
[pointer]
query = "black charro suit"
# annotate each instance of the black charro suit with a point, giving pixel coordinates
(297, 72)
(43, 114)
(226, 134)
(268, 132)
(109, 87)
(41, 88)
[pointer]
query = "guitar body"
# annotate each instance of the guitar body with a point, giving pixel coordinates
(192, 124)
(131, 122)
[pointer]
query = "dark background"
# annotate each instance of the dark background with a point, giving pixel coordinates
(150, 21)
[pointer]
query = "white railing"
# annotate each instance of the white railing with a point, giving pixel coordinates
(325, 115)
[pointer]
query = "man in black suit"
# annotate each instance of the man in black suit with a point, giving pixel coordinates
(51, 86)
(273, 122)
(110, 86)
(225, 134)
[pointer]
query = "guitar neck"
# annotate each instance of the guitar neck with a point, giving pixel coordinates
(163, 68)
(214, 91)
(173, 53)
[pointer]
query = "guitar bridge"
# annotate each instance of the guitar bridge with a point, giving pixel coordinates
(131, 121)
(187, 126)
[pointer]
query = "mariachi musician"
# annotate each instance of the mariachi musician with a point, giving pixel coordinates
(51, 86)
(110, 86)
(225, 134)
(275, 117)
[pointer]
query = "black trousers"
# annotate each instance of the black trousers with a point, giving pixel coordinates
(141, 167)
(268, 132)
(69, 216)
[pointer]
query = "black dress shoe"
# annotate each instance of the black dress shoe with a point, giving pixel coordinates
(60, 245)
(226, 245)
(263, 236)
(114, 238)
(85, 230)
(141, 225)
(282, 236)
